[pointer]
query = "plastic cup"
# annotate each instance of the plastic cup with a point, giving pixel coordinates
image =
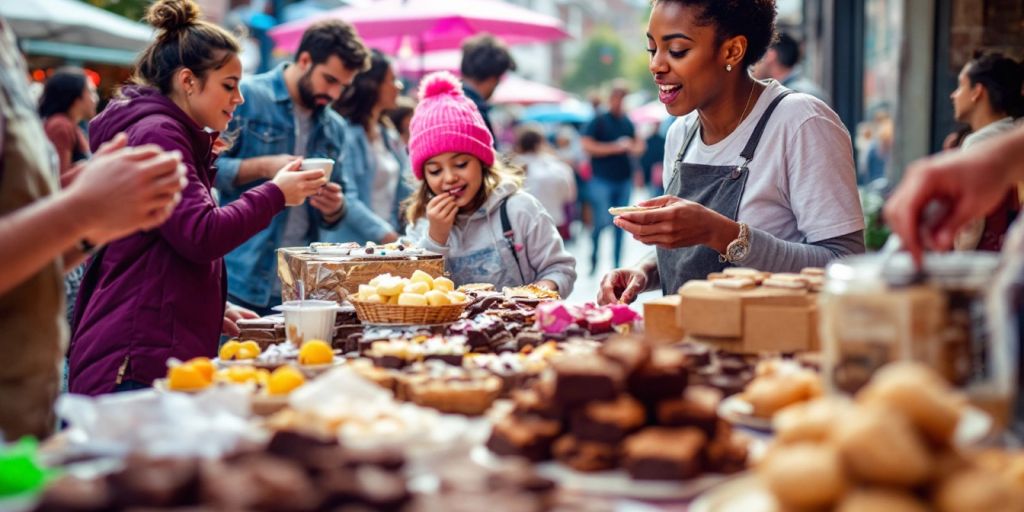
(308, 320)
(318, 163)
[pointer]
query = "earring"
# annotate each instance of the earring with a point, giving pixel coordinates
(728, 67)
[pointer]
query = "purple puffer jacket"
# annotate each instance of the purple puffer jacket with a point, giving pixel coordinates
(160, 293)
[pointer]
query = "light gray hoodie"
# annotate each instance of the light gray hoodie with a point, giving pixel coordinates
(476, 251)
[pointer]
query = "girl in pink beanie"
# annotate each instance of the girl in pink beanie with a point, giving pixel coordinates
(469, 206)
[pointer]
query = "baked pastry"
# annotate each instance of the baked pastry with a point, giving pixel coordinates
(664, 375)
(525, 436)
(880, 499)
(697, 407)
(979, 490)
(811, 421)
(584, 455)
(805, 476)
(921, 394)
(880, 446)
(779, 384)
(607, 421)
(585, 378)
(660, 453)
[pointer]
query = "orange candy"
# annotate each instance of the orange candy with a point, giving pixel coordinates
(283, 380)
(315, 352)
(186, 377)
(203, 365)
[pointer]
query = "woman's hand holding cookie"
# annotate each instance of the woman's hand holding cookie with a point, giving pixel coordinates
(676, 223)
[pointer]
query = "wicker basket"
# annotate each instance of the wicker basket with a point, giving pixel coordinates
(377, 313)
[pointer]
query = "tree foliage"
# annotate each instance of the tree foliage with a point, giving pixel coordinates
(132, 9)
(601, 60)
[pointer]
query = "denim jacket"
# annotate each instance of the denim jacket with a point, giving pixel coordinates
(361, 224)
(265, 125)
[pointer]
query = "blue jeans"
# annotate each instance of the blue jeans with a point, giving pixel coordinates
(605, 194)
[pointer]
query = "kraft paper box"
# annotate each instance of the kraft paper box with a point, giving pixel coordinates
(661, 324)
(752, 320)
(334, 277)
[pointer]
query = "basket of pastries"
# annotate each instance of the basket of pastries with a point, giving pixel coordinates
(417, 300)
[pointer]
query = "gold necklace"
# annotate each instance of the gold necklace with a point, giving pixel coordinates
(745, 107)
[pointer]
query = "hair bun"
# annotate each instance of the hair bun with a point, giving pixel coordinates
(441, 82)
(173, 15)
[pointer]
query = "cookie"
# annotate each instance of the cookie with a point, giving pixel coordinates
(769, 394)
(734, 283)
(619, 210)
(788, 284)
(804, 475)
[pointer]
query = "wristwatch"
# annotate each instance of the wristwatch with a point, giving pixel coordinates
(739, 248)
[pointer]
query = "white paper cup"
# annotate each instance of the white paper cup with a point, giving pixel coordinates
(308, 320)
(318, 163)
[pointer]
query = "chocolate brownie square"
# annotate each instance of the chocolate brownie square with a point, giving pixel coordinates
(660, 453)
(727, 452)
(537, 401)
(629, 353)
(697, 407)
(664, 375)
(529, 437)
(607, 421)
(584, 378)
(583, 455)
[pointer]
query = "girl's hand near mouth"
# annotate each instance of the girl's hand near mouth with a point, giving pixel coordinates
(441, 212)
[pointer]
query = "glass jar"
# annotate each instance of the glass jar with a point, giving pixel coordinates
(872, 315)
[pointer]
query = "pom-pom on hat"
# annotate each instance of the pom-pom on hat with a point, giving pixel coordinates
(446, 121)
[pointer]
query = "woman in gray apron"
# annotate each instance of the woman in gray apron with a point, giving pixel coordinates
(757, 176)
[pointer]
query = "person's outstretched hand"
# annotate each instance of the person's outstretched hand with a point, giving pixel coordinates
(968, 185)
(621, 285)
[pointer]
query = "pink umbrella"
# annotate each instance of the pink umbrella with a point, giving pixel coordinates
(429, 25)
(648, 113)
(419, 65)
(520, 91)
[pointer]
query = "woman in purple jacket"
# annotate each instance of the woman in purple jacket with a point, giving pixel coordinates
(161, 293)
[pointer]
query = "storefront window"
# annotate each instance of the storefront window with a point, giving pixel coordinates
(883, 19)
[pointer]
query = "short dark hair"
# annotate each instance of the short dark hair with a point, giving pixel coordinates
(334, 37)
(529, 139)
(754, 19)
(1002, 78)
(62, 90)
(484, 56)
(787, 50)
(182, 41)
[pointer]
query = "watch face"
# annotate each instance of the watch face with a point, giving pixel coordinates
(737, 251)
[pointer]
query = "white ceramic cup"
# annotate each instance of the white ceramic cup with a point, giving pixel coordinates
(308, 320)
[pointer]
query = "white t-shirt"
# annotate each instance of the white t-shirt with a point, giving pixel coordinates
(385, 180)
(802, 184)
(551, 181)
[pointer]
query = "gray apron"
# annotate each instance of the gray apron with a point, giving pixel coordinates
(718, 187)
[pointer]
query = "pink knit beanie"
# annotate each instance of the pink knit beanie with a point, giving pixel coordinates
(446, 121)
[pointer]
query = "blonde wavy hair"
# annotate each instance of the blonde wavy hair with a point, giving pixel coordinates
(501, 172)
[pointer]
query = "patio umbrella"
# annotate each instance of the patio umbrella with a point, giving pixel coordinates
(648, 113)
(419, 65)
(71, 22)
(517, 90)
(422, 26)
(569, 111)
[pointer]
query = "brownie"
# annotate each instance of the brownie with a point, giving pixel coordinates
(535, 401)
(697, 355)
(529, 337)
(529, 437)
(629, 353)
(584, 455)
(607, 421)
(70, 494)
(660, 453)
(346, 315)
(585, 378)
(275, 483)
(156, 482)
(664, 375)
(342, 335)
(727, 452)
(265, 331)
(697, 407)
